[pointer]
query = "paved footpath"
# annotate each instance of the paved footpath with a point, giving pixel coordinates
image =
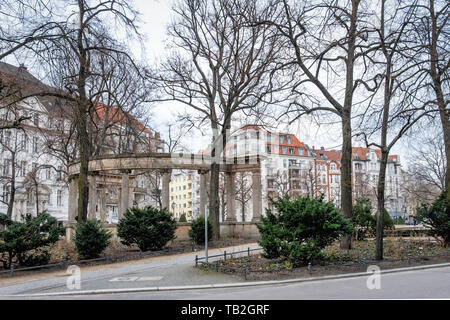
(174, 270)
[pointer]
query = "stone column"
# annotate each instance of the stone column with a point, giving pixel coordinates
(256, 195)
(165, 192)
(203, 191)
(124, 194)
(230, 190)
(92, 197)
(73, 198)
(102, 208)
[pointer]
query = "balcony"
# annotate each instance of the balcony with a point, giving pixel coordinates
(139, 190)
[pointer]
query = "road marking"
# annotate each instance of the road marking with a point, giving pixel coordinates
(125, 279)
(130, 279)
(149, 278)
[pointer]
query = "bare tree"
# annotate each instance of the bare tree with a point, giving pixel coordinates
(432, 36)
(330, 37)
(11, 148)
(77, 62)
(221, 66)
(243, 190)
(400, 108)
(428, 161)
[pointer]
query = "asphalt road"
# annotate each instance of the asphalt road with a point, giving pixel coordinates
(420, 284)
(177, 270)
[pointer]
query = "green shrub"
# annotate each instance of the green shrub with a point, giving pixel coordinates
(365, 223)
(148, 228)
(437, 216)
(25, 241)
(182, 218)
(398, 221)
(197, 231)
(300, 229)
(362, 218)
(388, 224)
(91, 239)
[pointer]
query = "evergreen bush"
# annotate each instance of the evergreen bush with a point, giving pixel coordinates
(298, 230)
(91, 239)
(197, 231)
(182, 218)
(148, 228)
(437, 217)
(27, 242)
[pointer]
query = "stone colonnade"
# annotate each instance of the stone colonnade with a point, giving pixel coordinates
(125, 187)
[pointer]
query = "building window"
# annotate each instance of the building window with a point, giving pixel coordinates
(59, 198)
(35, 144)
(24, 142)
(269, 149)
(289, 139)
(291, 151)
(6, 165)
(5, 194)
(6, 139)
(47, 174)
(281, 139)
(284, 150)
(333, 166)
(36, 119)
(23, 168)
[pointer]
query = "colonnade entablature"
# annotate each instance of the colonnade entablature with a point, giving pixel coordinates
(119, 168)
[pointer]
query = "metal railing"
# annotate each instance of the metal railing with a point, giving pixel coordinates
(246, 270)
(107, 259)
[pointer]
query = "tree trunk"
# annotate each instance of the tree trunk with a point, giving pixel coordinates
(380, 205)
(346, 177)
(83, 137)
(437, 86)
(36, 188)
(214, 205)
(13, 185)
(346, 160)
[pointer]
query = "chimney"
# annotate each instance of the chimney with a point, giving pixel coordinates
(322, 148)
(22, 67)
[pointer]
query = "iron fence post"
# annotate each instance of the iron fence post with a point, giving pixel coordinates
(217, 266)
(196, 260)
(224, 255)
(248, 251)
(309, 268)
(244, 272)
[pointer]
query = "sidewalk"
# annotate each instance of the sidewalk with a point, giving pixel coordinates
(174, 270)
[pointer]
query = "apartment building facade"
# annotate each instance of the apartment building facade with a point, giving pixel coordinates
(34, 159)
(291, 167)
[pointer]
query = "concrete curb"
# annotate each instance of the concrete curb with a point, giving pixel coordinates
(229, 285)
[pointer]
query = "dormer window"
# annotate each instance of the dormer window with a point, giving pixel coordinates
(36, 119)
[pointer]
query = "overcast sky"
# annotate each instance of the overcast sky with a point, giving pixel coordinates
(155, 15)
